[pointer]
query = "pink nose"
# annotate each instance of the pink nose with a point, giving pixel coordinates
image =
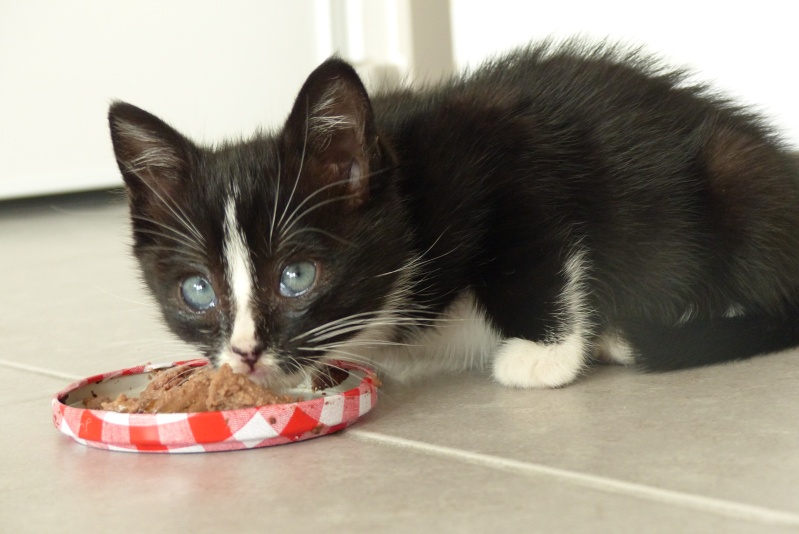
(250, 356)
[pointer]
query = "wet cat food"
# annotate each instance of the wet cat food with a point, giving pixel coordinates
(192, 389)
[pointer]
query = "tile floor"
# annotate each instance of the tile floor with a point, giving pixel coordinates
(709, 450)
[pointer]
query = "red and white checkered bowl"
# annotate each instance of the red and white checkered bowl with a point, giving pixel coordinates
(322, 412)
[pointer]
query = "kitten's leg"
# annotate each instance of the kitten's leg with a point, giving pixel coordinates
(531, 364)
(611, 347)
(558, 357)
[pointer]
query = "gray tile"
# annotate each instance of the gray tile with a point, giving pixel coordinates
(21, 387)
(728, 431)
(335, 483)
(78, 304)
(74, 307)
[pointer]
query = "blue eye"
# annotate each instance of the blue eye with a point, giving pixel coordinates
(198, 293)
(297, 278)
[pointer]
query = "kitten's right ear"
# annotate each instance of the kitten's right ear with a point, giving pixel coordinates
(153, 157)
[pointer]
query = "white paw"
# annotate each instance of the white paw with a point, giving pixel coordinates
(526, 364)
(612, 348)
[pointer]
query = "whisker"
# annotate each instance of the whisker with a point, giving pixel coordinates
(124, 299)
(344, 321)
(184, 235)
(173, 207)
(356, 358)
(380, 317)
(181, 377)
(330, 323)
(356, 327)
(417, 261)
(293, 219)
(277, 197)
(176, 239)
(363, 326)
(399, 317)
(286, 241)
(366, 343)
(299, 172)
(174, 250)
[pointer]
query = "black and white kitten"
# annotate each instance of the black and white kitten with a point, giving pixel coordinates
(559, 204)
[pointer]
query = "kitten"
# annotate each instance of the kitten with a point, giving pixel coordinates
(561, 203)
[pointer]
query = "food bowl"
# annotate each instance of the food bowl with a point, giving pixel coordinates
(317, 413)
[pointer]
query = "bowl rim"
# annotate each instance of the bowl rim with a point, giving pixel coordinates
(292, 422)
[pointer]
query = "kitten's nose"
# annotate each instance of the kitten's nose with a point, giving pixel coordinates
(249, 355)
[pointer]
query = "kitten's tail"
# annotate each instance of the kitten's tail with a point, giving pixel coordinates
(706, 342)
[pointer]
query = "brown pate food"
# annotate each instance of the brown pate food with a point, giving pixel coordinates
(192, 389)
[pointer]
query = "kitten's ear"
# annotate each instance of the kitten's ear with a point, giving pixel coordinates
(332, 121)
(153, 157)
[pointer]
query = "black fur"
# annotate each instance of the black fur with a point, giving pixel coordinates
(683, 205)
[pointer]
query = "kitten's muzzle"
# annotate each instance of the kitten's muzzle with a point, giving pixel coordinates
(250, 356)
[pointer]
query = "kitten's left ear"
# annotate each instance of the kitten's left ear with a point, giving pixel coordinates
(332, 121)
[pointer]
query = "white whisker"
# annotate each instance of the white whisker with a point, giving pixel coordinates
(176, 239)
(299, 172)
(286, 241)
(362, 325)
(293, 219)
(380, 315)
(175, 210)
(187, 237)
(356, 358)
(419, 260)
(174, 250)
(277, 197)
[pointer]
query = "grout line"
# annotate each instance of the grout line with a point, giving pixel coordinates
(38, 370)
(687, 500)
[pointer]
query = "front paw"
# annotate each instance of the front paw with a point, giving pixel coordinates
(526, 364)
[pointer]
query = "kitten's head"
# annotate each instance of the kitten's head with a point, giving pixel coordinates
(277, 253)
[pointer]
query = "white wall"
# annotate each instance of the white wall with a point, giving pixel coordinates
(750, 50)
(211, 69)
(217, 69)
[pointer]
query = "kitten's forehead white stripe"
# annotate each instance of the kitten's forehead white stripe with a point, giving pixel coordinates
(240, 276)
